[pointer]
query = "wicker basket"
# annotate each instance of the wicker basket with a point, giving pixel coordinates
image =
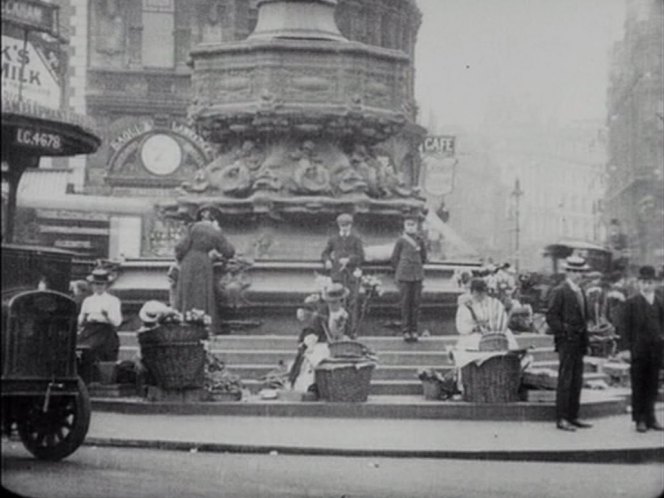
(432, 389)
(346, 381)
(494, 381)
(345, 349)
(176, 365)
(493, 341)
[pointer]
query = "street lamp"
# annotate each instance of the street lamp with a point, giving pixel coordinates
(516, 193)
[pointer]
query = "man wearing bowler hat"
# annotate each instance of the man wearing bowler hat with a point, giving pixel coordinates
(567, 317)
(99, 318)
(644, 331)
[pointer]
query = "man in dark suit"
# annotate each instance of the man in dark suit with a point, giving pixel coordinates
(644, 331)
(343, 252)
(343, 255)
(408, 258)
(567, 316)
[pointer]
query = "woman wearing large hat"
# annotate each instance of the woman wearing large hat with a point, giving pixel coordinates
(99, 318)
(203, 241)
(325, 320)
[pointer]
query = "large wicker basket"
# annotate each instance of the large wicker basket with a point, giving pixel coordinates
(174, 355)
(496, 380)
(345, 381)
(178, 365)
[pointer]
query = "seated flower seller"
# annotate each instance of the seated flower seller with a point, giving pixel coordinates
(325, 320)
(99, 318)
(481, 314)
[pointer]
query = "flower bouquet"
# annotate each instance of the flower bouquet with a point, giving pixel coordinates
(219, 383)
(436, 385)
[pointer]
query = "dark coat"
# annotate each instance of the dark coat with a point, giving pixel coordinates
(639, 335)
(407, 261)
(566, 317)
(195, 284)
(338, 247)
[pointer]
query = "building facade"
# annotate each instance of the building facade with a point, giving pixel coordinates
(130, 73)
(561, 181)
(635, 174)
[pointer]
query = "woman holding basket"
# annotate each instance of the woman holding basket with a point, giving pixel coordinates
(479, 315)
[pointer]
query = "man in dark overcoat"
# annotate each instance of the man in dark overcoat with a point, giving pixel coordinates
(342, 256)
(644, 334)
(343, 252)
(567, 317)
(408, 258)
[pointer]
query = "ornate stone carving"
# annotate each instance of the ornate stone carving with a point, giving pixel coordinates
(310, 177)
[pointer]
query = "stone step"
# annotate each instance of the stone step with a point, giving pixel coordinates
(588, 366)
(593, 404)
(386, 357)
(377, 343)
(378, 387)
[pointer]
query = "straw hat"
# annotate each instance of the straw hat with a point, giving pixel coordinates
(99, 276)
(152, 311)
(335, 292)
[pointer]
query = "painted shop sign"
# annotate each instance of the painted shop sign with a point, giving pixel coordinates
(145, 154)
(442, 145)
(32, 14)
(30, 72)
(439, 164)
(36, 139)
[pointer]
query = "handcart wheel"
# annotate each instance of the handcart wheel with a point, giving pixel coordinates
(57, 433)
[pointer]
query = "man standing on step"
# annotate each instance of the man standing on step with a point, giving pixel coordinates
(408, 258)
(567, 317)
(644, 330)
(342, 256)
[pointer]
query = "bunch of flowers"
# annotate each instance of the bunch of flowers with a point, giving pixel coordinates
(370, 287)
(447, 382)
(191, 317)
(218, 379)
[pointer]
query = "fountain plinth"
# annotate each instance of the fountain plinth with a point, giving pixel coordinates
(303, 120)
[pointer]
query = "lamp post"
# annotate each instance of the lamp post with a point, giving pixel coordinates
(516, 193)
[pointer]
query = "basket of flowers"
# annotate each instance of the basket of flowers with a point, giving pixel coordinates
(172, 348)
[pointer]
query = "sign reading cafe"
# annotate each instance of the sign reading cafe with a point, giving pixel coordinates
(438, 164)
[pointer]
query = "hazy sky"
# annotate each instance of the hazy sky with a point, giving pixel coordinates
(551, 55)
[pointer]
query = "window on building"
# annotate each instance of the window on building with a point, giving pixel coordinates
(158, 31)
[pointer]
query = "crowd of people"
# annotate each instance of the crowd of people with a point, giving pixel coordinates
(582, 304)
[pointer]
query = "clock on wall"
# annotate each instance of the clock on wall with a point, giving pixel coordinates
(161, 154)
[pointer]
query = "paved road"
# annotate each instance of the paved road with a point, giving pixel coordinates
(129, 473)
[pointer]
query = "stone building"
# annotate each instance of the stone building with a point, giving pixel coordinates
(635, 175)
(560, 171)
(129, 71)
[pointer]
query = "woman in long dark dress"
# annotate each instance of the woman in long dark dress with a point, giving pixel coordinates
(195, 283)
